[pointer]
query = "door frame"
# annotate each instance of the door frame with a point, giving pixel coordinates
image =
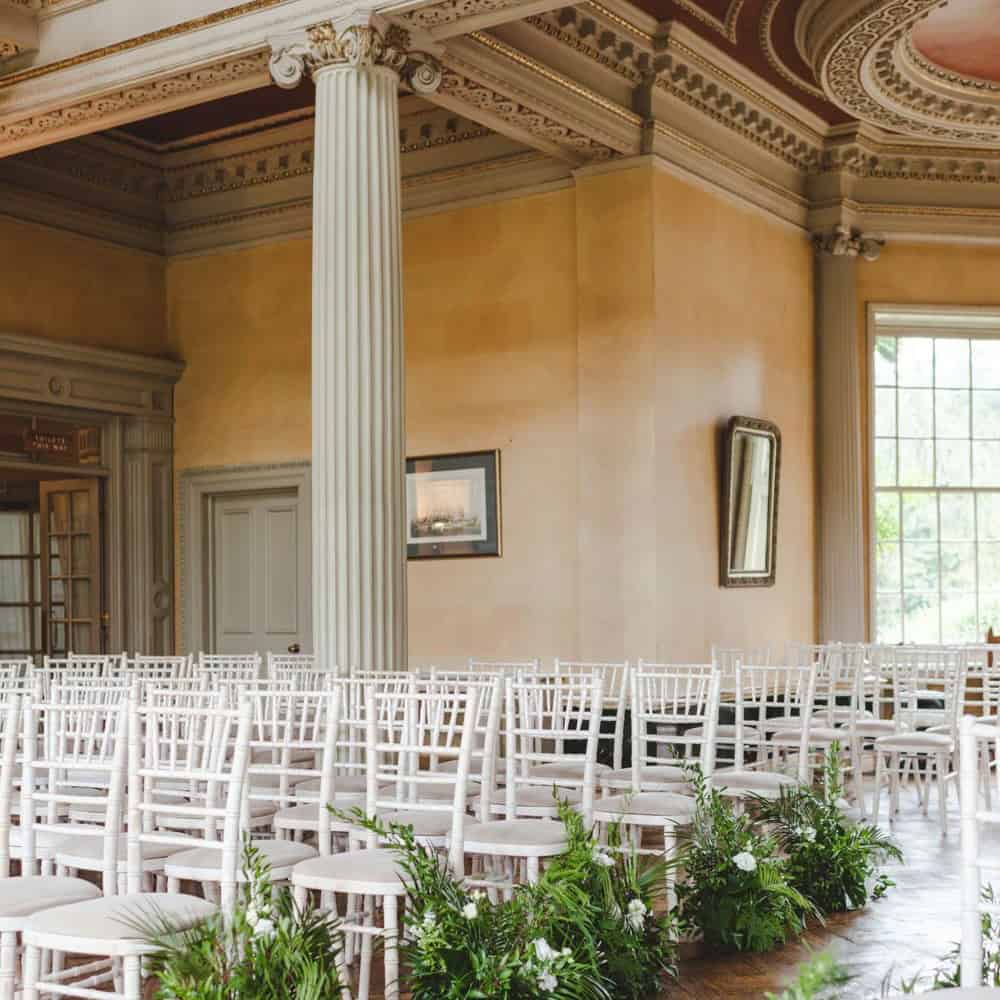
(199, 489)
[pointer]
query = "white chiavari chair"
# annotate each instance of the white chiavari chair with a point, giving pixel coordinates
(393, 760)
(286, 666)
(14, 674)
(158, 669)
(539, 718)
(768, 698)
(226, 666)
(615, 680)
(208, 748)
(929, 693)
(24, 896)
(975, 738)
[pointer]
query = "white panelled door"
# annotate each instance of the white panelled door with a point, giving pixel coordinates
(259, 574)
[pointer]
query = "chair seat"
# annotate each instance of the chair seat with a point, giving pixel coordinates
(25, 896)
(642, 807)
(652, 778)
(818, 736)
(566, 770)
(260, 815)
(374, 873)
(346, 785)
(205, 863)
(540, 838)
(873, 727)
(266, 755)
(46, 841)
(305, 818)
(928, 742)
(87, 853)
(735, 783)
(433, 825)
(114, 925)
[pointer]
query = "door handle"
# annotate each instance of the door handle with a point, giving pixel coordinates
(294, 648)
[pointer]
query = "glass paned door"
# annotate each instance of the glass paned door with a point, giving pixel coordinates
(71, 566)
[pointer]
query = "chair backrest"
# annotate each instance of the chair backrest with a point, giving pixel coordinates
(10, 728)
(207, 749)
(726, 658)
(14, 673)
(505, 666)
(973, 734)
(158, 668)
(426, 725)
(77, 759)
(768, 698)
(542, 717)
(226, 666)
(668, 701)
(285, 664)
(928, 688)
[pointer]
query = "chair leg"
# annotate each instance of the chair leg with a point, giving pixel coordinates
(8, 964)
(391, 921)
(365, 972)
(133, 977)
(941, 767)
(858, 777)
(877, 790)
(534, 871)
(32, 964)
(669, 846)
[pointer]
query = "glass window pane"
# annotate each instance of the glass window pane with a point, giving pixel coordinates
(958, 566)
(988, 515)
(920, 618)
(986, 463)
(915, 361)
(885, 412)
(885, 462)
(920, 566)
(81, 599)
(886, 516)
(83, 641)
(952, 458)
(14, 528)
(986, 413)
(15, 626)
(916, 413)
(989, 614)
(889, 618)
(957, 521)
(951, 413)
(81, 554)
(885, 360)
(58, 513)
(916, 463)
(920, 517)
(958, 618)
(15, 581)
(951, 362)
(888, 571)
(989, 566)
(986, 364)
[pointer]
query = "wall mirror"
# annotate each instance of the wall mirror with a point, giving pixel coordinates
(751, 464)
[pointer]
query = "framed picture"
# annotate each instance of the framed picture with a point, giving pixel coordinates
(453, 505)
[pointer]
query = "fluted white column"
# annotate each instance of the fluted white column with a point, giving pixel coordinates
(358, 433)
(842, 558)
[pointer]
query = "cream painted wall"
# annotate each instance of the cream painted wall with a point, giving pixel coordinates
(66, 287)
(734, 336)
(598, 336)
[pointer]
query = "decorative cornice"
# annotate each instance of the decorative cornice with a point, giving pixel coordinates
(358, 45)
(726, 27)
(774, 60)
(844, 242)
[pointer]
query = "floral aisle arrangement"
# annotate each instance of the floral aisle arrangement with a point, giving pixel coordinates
(268, 949)
(734, 888)
(587, 929)
(833, 862)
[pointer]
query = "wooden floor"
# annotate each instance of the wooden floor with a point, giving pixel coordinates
(906, 932)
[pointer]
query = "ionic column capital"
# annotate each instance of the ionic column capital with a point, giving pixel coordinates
(362, 42)
(841, 241)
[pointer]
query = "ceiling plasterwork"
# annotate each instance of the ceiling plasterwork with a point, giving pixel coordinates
(726, 26)
(865, 61)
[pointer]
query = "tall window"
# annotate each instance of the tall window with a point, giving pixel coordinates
(936, 457)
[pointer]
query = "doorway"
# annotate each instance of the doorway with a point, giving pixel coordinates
(52, 551)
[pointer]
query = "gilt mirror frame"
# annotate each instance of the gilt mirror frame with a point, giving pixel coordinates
(729, 575)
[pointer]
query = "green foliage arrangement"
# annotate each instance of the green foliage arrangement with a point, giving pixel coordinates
(818, 979)
(735, 889)
(833, 862)
(948, 976)
(268, 949)
(585, 931)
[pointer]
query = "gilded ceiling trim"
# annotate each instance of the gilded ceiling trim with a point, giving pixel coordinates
(195, 24)
(726, 27)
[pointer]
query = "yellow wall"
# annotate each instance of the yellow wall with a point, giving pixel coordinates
(65, 287)
(598, 336)
(734, 336)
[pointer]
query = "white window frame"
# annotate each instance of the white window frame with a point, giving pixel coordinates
(895, 320)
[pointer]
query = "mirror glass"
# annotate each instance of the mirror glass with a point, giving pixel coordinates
(751, 496)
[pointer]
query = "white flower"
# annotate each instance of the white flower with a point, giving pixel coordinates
(264, 929)
(544, 952)
(601, 857)
(429, 918)
(547, 982)
(566, 952)
(808, 834)
(745, 861)
(636, 915)
(842, 804)
(478, 894)
(252, 916)
(470, 911)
